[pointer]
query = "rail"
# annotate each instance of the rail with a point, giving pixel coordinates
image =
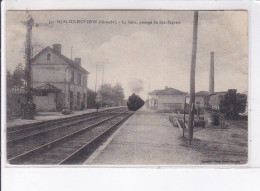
(53, 121)
(18, 159)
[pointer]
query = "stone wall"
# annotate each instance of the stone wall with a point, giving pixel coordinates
(45, 103)
(170, 103)
(166, 103)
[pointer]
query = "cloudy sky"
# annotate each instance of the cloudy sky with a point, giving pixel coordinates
(133, 54)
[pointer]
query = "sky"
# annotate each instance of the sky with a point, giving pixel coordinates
(136, 54)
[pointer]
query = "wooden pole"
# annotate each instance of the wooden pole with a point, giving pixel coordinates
(96, 80)
(102, 85)
(149, 107)
(183, 128)
(192, 77)
(71, 49)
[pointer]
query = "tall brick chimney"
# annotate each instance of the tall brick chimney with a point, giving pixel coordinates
(211, 74)
(57, 48)
(78, 61)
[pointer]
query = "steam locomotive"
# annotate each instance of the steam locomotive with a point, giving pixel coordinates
(134, 102)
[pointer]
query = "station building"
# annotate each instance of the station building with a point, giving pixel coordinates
(201, 99)
(58, 81)
(167, 100)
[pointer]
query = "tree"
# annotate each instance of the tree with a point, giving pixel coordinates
(18, 78)
(107, 95)
(112, 96)
(14, 83)
(9, 81)
(91, 103)
(118, 94)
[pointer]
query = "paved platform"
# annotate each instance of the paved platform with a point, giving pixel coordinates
(46, 116)
(148, 138)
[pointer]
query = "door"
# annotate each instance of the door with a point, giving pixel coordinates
(71, 100)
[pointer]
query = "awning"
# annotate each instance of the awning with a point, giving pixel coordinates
(47, 88)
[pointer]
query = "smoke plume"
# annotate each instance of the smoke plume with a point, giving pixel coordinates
(136, 85)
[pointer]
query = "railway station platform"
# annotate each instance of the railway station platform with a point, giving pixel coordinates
(46, 116)
(148, 138)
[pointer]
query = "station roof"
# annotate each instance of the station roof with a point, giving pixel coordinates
(167, 91)
(206, 93)
(48, 88)
(202, 93)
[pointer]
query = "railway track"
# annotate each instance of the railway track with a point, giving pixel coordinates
(26, 127)
(19, 134)
(64, 142)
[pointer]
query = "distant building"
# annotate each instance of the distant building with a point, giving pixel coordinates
(215, 98)
(200, 99)
(58, 81)
(167, 100)
(228, 97)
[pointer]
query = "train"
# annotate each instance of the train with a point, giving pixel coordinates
(135, 102)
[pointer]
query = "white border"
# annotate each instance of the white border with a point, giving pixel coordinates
(60, 178)
(83, 4)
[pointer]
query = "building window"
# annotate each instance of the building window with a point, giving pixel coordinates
(79, 79)
(177, 105)
(78, 98)
(72, 77)
(48, 57)
(86, 81)
(84, 97)
(71, 100)
(42, 93)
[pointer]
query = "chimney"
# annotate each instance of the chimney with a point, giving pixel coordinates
(211, 74)
(78, 61)
(57, 48)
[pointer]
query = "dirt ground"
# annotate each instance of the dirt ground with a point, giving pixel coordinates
(148, 138)
(221, 146)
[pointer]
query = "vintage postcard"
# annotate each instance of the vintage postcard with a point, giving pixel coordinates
(127, 87)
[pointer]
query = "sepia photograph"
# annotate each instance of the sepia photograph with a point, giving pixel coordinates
(126, 87)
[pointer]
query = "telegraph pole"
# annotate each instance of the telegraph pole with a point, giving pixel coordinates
(96, 80)
(184, 117)
(102, 85)
(71, 49)
(149, 94)
(29, 107)
(192, 77)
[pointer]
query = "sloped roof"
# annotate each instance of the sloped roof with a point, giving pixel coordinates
(202, 93)
(167, 91)
(219, 93)
(47, 87)
(69, 61)
(206, 93)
